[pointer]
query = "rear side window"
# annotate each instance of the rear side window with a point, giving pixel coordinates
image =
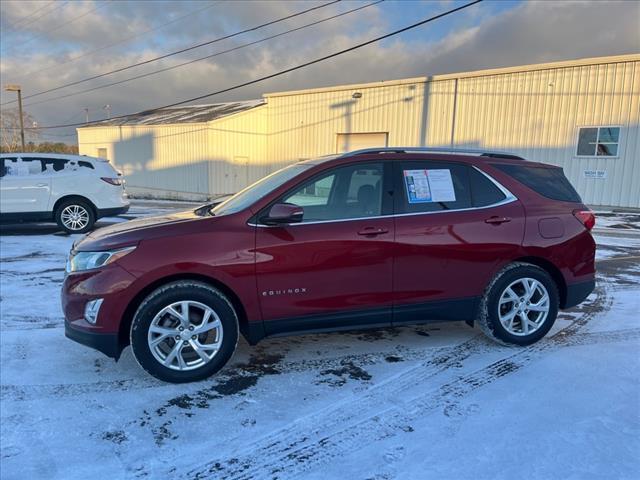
(427, 186)
(483, 191)
(549, 182)
(55, 164)
(60, 164)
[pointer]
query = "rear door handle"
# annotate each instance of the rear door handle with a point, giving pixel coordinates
(371, 231)
(497, 220)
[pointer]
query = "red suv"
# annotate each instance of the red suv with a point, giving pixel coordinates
(372, 238)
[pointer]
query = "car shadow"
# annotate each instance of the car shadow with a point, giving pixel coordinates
(9, 229)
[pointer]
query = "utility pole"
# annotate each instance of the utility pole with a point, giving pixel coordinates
(86, 115)
(108, 109)
(16, 88)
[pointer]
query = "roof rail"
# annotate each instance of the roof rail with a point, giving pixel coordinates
(453, 151)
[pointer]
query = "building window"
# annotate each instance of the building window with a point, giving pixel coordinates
(598, 141)
(102, 153)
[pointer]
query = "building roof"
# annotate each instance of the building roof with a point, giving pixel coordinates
(182, 114)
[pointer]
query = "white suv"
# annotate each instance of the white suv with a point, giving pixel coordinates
(73, 190)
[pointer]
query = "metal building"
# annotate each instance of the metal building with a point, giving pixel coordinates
(583, 115)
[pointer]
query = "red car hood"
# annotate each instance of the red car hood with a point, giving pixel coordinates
(131, 232)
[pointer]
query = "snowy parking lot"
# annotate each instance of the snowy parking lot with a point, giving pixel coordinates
(435, 401)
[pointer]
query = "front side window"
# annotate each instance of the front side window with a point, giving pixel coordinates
(251, 194)
(353, 191)
(427, 186)
(3, 167)
(22, 166)
(598, 142)
(314, 194)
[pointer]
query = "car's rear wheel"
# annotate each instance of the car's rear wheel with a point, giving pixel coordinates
(184, 331)
(75, 216)
(520, 305)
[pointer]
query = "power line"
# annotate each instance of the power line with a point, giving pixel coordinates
(178, 51)
(137, 77)
(288, 70)
(29, 15)
(65, 23)
(58, 6)
(124, 40)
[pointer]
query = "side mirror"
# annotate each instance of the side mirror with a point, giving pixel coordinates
(282, 213)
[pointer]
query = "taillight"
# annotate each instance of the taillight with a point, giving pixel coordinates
(112, 181)
(586, 217)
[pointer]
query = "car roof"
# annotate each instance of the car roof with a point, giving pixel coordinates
(469, 156)
(52, 155)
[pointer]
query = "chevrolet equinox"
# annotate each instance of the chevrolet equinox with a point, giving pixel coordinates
(372, 238)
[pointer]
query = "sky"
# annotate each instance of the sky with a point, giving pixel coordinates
(45, 44)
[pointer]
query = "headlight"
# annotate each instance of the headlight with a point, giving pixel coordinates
(87, 260)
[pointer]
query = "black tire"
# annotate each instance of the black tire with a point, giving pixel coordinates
(78, 205)
(184, 290)
(489, 319)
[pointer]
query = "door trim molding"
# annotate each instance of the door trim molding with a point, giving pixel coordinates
(459, 309)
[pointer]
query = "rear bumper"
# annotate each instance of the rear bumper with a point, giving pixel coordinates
(577, 292)
(106, 343)
(112, 212)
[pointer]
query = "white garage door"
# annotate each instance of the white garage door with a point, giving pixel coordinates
(348, 142)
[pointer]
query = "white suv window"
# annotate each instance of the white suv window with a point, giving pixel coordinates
(22, 167)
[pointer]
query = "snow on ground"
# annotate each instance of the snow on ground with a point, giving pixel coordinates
(437, 401)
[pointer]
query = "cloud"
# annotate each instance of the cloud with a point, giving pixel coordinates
(531, 32)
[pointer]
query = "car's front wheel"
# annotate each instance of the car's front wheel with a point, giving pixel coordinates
(75, 216)
(520, 305)
(184, 331)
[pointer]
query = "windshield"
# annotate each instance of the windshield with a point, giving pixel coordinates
(251, 194)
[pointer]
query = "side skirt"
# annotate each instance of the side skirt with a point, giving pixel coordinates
(463, 309)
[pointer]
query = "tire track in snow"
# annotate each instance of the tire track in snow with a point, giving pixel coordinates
(30, 392)
(305, 444)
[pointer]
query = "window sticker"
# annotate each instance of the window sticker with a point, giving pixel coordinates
(425, 186)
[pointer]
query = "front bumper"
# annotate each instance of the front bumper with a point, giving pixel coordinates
(111, 283)
(106, 343)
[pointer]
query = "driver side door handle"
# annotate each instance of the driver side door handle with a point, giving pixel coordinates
(373, 231)
(497, 220)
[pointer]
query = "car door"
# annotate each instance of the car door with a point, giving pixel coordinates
(333, 269)
(24, 187)
(454, 228)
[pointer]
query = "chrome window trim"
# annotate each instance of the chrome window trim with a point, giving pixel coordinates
(501, 187)
(509, 198)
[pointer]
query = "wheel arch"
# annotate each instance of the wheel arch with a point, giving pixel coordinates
(59, 202)
(553, 271)
(127, 317)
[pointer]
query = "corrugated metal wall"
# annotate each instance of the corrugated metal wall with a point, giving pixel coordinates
(175, 160)
(237, 151)
(537, 114)
(157, 158)
(534, 111)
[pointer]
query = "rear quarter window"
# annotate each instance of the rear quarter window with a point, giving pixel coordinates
(549, 182)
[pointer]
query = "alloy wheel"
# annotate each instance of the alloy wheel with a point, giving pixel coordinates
(75, 217)
(185, 335)
(524, 306)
